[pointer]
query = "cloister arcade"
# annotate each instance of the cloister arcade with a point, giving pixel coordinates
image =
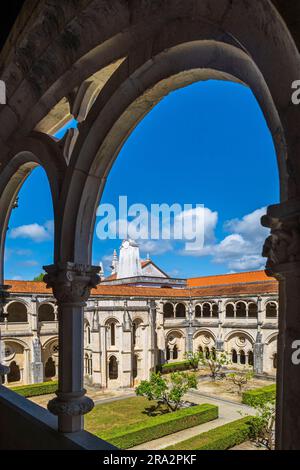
(133, 55)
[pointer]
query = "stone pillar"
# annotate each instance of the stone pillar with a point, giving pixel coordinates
(282, 249)
(153, 348)
(258, 353)
(4, 370)
(125, 369)
(190, 329)
(37, 372)
(71, 284)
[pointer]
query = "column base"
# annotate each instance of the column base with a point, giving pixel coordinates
(70, 408)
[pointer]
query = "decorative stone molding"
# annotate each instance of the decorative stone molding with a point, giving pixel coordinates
(70, 404)
(282, 247)
(4, 295)
(71, 282)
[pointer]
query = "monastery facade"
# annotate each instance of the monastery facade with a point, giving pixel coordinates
(139, 318)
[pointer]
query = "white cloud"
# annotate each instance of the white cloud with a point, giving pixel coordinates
(35, 232)
(155, 247)
(17, 278)
(241, 249)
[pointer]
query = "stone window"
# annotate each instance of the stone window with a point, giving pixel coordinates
(46, 313)
(168, 310)
(17, 313)
(113, 368)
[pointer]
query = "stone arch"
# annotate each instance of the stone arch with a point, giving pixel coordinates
(135, 108)
(198, 311)
(241, 309)
(28, 153)
(271, 309)
(50, 353)
(175, 341)
(180, 310)
(15, 358)
(252, 310)
(168, 310)
(113, 368)
(17, 312)
(206, 309)
(46, 312)
(111, 332)
(204, 340)
(230, 310)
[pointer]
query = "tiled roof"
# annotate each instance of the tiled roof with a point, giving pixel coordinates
(269, 285)
(251, 276)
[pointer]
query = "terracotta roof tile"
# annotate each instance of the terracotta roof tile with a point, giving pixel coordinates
(251, 276)
(268, 285)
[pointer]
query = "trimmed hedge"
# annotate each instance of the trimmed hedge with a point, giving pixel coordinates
(35, 390)
(174, 367)
(259, 395)
(221, 438)
(129, 436)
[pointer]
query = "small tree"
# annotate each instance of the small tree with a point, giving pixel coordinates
(39, 278)
(241, 378)
(215, 362)
(263, 424)
(194, 359)
(167, 393)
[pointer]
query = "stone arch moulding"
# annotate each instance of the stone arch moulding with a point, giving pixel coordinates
(159, 25)
(27, 154)
(235, 333)
(107, 127)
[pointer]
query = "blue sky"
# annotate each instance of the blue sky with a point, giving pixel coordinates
(205, 144)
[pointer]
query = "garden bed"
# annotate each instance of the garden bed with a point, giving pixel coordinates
(35, 390)
(221, 438)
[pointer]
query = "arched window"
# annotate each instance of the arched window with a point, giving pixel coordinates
(50, 369)
(206, 310)
(113, 368)
(168, 310)
(112, 334)
(134, 326)
(46, 313)
(200, 349)
(215, 310)
(90, 365)
(207, 352)
(88, 335)
(14, 373)
(234, 356)
(275, 361)
(213, 353)
(242, 357)
(17, 313)
(135, 366)
(180, 311)
(168, 353)
(198, 311)
(175, 352)
(252, 310)
(86, 364)
(250, 358)
(241, 310)
(271, 310)
(229, 311)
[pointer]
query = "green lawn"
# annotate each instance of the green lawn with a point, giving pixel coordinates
(110, 416)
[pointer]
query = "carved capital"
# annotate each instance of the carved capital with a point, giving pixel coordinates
(70, 404)
(282, 247)
(4, 295)
(72, 283)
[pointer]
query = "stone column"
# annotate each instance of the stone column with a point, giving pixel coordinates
(258, 353)
(4, 370)
(37, 372)
(220, 340)
(153, 347)
(282, 249)
(71, 284)
(190, 329)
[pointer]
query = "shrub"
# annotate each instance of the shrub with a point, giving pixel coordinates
(35, 390)
(175, 366)
(221, 438)
(259, 396)
(129, 436)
